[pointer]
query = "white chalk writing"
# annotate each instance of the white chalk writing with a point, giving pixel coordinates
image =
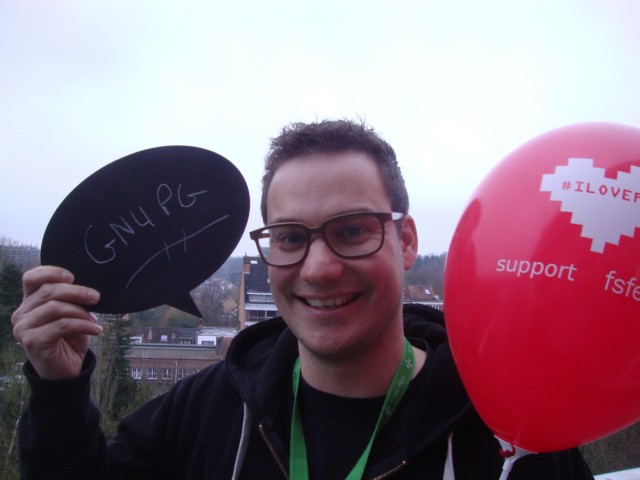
(101, 244)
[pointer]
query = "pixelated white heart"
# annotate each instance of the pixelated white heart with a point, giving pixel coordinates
(606, 208)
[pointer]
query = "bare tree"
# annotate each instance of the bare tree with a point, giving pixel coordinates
(112, 387)
(14, 392)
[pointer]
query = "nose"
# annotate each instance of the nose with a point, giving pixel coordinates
(321, 264)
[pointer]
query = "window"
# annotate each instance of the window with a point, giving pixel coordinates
(259, 315)
(167, 374)
(152, 374)
(182, 373)
(136, 373)
(260, 297)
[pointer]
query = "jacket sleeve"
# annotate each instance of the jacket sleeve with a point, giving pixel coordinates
(565, 465)
(477, 450)
(60, 435)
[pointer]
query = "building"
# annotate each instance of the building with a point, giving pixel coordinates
(166, 355)
(168, 363)
(24, 257)
(164, 335)
(422, 294)
(162, 356)
(256, 301)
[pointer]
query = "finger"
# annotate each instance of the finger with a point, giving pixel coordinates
(59, 292)
(30, 317)
(33, 279)
(50, 333)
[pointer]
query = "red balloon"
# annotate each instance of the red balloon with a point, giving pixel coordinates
(542, 289)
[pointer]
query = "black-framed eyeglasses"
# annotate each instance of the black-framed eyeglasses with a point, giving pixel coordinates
(353, 235)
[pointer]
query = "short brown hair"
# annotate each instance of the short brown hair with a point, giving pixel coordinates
(332, 136)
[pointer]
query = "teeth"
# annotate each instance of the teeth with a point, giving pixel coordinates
(329, 302)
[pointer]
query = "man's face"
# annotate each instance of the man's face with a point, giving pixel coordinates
(338, 307)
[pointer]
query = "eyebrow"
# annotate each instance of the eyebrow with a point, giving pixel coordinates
(346, 212)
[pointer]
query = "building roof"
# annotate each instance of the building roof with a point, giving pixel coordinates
(256, 279)
(163, 334)
(170, 351)
(418, 293)
(268, 307)
(218, 331)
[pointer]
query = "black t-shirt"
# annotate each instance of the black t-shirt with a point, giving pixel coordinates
(338, 429)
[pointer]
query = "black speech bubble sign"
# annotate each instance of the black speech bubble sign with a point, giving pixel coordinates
(147, 229)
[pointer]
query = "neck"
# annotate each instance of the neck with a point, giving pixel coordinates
(364, 376)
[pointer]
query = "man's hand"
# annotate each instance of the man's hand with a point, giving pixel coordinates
(52, 323)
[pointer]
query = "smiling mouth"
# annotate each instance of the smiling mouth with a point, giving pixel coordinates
(330, 302)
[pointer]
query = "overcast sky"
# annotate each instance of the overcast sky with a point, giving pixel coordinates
(453, 85)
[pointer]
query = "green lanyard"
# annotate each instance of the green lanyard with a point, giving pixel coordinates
(299, 469)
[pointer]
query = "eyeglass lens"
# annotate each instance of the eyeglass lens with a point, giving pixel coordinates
(348, 236)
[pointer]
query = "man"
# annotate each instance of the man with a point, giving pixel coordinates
(331, 390)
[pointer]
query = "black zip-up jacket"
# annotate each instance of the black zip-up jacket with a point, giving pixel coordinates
(232, 420)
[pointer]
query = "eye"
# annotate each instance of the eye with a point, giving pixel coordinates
(355, 230)
(288, 239)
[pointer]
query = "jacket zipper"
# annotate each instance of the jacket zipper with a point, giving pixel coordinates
(283, 469)
(391, 472)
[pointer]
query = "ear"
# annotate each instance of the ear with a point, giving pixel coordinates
(409, 241)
